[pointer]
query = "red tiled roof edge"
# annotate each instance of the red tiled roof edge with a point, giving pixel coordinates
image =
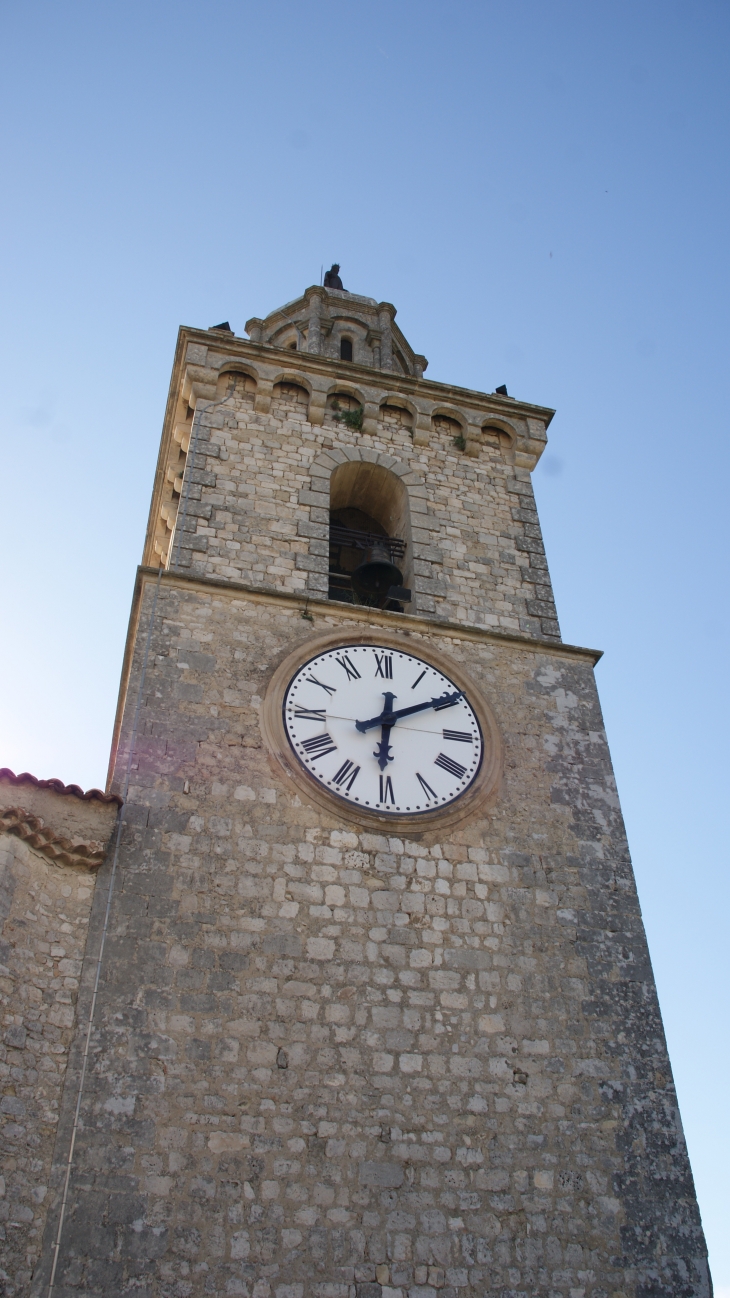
(58, 786)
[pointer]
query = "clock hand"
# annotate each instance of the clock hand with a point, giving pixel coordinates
(389, 717)
(383, 752)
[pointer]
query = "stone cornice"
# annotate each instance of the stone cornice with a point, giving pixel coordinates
(375, 617)
(365, 375)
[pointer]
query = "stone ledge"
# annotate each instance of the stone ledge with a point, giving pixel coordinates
(374, 617)
(69, 790)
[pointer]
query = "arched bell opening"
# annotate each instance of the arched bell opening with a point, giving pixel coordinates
(370, 553)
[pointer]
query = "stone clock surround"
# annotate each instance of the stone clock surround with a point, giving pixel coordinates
(474, 801)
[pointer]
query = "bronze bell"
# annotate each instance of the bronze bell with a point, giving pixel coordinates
(373, 578)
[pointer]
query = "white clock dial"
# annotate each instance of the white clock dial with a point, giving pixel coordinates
(383, 729)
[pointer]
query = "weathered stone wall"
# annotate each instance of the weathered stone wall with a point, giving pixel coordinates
(44, 915)
(257, 507)
(339, 1064)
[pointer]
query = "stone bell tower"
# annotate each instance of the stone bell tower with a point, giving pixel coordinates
(367, 1009)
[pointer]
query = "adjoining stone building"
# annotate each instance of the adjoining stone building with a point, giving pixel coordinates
(53, 837)
(365, 1009)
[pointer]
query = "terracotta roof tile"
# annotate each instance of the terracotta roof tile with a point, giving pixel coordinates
(58, 786)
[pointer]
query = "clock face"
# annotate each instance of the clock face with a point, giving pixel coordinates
(383, 729)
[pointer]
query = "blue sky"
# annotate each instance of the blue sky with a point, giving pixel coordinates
(542, 190)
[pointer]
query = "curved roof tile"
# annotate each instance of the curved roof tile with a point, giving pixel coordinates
(58, 786)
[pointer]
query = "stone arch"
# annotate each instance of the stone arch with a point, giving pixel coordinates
(400, 360)
(324, 463)
(288, 337)
(241, 375)
(349, 476)
(237, 367)
(294, 378)
(347, 389)
(500, 434)
(451, 413)
(288, 395)
(374, 490)
(350, 328)
(395, 402)
(291, 393)
(342, 396)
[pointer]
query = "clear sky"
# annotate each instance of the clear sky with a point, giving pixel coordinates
(541, 188)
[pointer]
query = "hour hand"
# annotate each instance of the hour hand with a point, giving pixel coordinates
(383, 751)
(386, 716)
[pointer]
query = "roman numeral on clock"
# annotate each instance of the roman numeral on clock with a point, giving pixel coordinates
(452, 767)
(319, 746)
(331, 689)
(384, 668)
(386, 789)
(347, 775)
(352, 672)
(309, 714)
(426, 787)
(462, 736)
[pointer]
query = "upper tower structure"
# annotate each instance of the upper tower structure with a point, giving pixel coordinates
(341, 326)
(326, 378)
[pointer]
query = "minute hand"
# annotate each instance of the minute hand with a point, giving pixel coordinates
(390, 718)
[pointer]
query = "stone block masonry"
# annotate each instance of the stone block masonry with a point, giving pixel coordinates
(333, 1063)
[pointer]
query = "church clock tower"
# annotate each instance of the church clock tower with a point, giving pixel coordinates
(372, 1013)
